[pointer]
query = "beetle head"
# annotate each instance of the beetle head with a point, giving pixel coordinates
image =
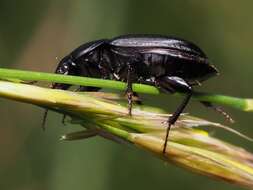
(65, 67)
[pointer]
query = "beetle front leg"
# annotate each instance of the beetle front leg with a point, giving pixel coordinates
(174, 84)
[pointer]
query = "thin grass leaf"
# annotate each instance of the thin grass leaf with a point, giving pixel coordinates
(243, 104)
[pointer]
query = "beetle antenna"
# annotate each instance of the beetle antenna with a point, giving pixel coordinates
(219, 110)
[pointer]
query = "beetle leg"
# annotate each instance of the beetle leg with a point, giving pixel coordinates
(219, 110)
(44, 119)
(174, 84)
(172, 119)
(64, 69)
(65, 87)
(54, 86)
(64, 119)
(129, 90)
(81, 89)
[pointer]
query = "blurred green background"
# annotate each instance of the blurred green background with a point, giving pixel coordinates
(34, 33)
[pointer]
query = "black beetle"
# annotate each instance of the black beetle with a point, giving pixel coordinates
(172, 64)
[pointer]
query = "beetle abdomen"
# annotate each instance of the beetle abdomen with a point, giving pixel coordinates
(164, 55)
(190, 69)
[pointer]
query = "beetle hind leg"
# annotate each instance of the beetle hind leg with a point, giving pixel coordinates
(174, 84)
(172, 119)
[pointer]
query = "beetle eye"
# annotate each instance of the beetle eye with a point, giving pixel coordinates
(63, 69)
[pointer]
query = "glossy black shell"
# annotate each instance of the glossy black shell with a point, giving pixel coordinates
(150, 56)
(157, 41)
(176, 57)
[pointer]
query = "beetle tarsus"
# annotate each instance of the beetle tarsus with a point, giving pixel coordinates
(166, 138)
(174, 117)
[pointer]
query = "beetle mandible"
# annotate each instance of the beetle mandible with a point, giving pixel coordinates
(169, 63)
